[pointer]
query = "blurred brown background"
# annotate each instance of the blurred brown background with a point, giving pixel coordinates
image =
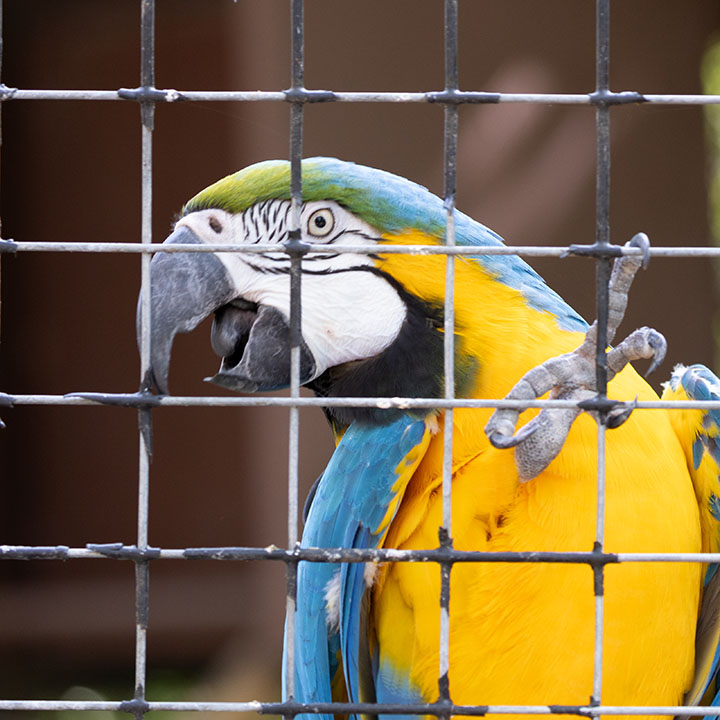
(71, 171)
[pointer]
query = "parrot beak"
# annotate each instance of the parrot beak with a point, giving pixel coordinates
(184, 289)
(254, 343)
(252, 340)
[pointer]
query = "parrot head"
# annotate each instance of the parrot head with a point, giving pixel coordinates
(372, 324)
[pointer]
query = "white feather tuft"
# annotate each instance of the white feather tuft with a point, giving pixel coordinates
(677, 373)
(332, 603)
(370, 573)
(432, 423)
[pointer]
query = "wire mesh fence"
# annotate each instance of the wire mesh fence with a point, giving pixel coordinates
(451, 97)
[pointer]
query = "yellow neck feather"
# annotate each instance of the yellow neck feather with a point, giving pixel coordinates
(494, 323)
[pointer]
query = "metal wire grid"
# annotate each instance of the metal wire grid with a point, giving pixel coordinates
(141, 554)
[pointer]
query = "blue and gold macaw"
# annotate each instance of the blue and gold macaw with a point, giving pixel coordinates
(372, 326)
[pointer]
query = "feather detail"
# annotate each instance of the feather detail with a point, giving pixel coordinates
(332, 609)
(699, 431)
(332, 603)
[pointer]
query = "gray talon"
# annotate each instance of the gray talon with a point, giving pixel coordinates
(659, 345)
(617, 416)
(503, 441)
(642, 241)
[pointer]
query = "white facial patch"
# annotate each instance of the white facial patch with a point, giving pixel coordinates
(349, 312)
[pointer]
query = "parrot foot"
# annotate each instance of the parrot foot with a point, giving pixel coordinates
(572, 377)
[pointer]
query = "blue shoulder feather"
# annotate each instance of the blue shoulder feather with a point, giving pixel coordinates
(353, 504)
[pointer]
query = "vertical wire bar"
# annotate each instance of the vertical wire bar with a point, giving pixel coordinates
(602, 183)
(296, 145)
(602, 278)
(142, 568)
(450, 174)
(294, 247)
(599, 570)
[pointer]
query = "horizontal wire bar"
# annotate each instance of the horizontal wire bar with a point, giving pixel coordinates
(106, 247)
(138, 400)
(292, 708)
(119, 551)
(471, 250)
(129, 706)
(451, 97)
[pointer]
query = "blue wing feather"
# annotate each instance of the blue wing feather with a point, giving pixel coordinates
(353, 623)
(358, 489)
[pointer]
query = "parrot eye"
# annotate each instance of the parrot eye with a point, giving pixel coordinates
(215, 225)
(321, 222)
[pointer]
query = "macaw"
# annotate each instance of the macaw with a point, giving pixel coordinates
(372, 326)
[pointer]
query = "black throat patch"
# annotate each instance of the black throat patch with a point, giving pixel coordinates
(412, 366)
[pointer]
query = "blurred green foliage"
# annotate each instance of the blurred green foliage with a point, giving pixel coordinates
(711, 85)
(710, 75)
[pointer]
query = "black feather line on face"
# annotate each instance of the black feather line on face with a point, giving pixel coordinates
(253, 219)
(412, 366)
(285, 269)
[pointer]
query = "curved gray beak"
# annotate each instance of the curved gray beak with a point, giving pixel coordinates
(184, 288)
(252, 340)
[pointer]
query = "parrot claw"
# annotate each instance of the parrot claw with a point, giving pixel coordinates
(642, 241)
(659, 345)
(643, 343)
(502, 440)
(572, 377)
(619, 414)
